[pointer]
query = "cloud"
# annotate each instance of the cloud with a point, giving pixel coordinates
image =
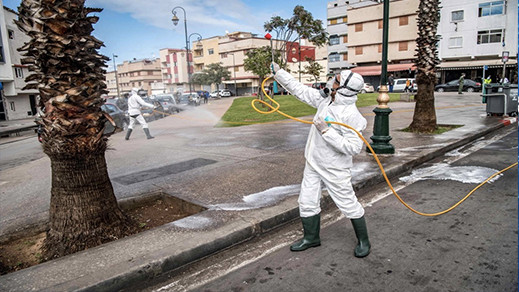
(211, 16)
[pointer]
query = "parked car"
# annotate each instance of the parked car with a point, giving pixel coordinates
(368, 88)
(226, 93)
(148, 113)
(188, 98)
(468, 86)
(399, 85)
(119, 116)
(120, 102)
(215, 94)
(168, 103)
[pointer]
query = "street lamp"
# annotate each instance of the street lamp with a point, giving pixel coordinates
(381, 136)
(175, 20)
(234, 69)
(116, 78)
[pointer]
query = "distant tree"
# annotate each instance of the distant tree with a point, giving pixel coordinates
(258, 61)
(68, 71)
(200, 78)
(214, 74)
(313, 68)
(424, 119)
(301, 25)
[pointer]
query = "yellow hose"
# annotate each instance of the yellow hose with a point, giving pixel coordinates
(276, 109)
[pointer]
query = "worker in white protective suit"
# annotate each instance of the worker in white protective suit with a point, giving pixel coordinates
(135, 102)
(329, 151)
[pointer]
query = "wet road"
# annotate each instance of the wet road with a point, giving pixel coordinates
(472, 248)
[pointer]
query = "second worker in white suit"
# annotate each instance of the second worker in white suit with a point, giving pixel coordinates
(135, 102)
(329, 151)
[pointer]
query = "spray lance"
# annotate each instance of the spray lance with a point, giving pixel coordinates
(275, 84)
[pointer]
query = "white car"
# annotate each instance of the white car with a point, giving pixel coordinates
(368, 88)
(215, 94)
(399, 85)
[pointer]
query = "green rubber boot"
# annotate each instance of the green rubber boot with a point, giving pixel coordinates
(361, 231)
(311, 227)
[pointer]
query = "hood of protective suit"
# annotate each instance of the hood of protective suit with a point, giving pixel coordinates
(135, 90)
(351, 84)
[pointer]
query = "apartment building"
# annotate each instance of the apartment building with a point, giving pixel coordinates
(337, 30)
(474, 34)
(140, 73)
(365, 24)
(15, 103)
(173, 68)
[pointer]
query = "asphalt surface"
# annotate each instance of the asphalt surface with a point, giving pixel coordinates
(247, 177)
(472, 248)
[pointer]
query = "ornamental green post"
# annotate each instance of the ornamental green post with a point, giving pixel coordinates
(381, 136)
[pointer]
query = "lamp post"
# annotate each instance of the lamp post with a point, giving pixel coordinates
(234, 70)
(381, 136)
(175, 20)
(116, 78)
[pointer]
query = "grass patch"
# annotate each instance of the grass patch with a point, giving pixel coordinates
(241, 112)
(440, 130)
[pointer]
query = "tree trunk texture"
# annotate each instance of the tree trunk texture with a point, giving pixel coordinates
(83, 209)
(424, 119)
(68, 71)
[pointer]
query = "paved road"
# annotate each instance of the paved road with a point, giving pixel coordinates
(472, 248)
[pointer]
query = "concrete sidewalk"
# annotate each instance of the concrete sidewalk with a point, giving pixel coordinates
(249, 186)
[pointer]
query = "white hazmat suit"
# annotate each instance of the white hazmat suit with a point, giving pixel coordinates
(329, 155)
(135, 102)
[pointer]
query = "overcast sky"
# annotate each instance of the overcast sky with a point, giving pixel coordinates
(140, 28)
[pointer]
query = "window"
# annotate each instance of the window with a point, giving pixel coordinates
(224, 55)
(457, 16)
(333, 21)
(2, 60)
(380, 24)
(18, 72)
(358, 27)
(150, 72)
(358, 51)
(455, 42)
(490, 36)
(402, 46)
(345, 39)
(11, 106)
(403, 20)
(345, 19)
(345, 56)
(10, 33)
(334, 57)
(380, 48)
(210, 51)
(491, 8)
(334, 40)
(236, 69)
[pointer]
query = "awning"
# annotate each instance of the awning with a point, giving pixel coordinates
(377, 70)
(477, 64)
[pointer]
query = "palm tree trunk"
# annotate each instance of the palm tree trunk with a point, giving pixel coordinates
(83, 209)
(424, 119)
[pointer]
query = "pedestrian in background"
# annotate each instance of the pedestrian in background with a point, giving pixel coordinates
(407, 85)
(391, 82)
(135, 103)
(461, 83)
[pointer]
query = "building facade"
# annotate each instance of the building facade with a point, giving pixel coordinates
(337, 29)
(173, 68)
(15, 103)
(134, 74)
(365, 24)
(474, 34)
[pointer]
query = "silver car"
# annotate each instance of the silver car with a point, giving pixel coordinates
(168, 102)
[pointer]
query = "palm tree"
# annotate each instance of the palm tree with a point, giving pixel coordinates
(424, 119)
(68, 71)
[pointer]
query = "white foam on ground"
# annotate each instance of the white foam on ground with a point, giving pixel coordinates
(443, 171)
(193, 222)
(261, 199)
